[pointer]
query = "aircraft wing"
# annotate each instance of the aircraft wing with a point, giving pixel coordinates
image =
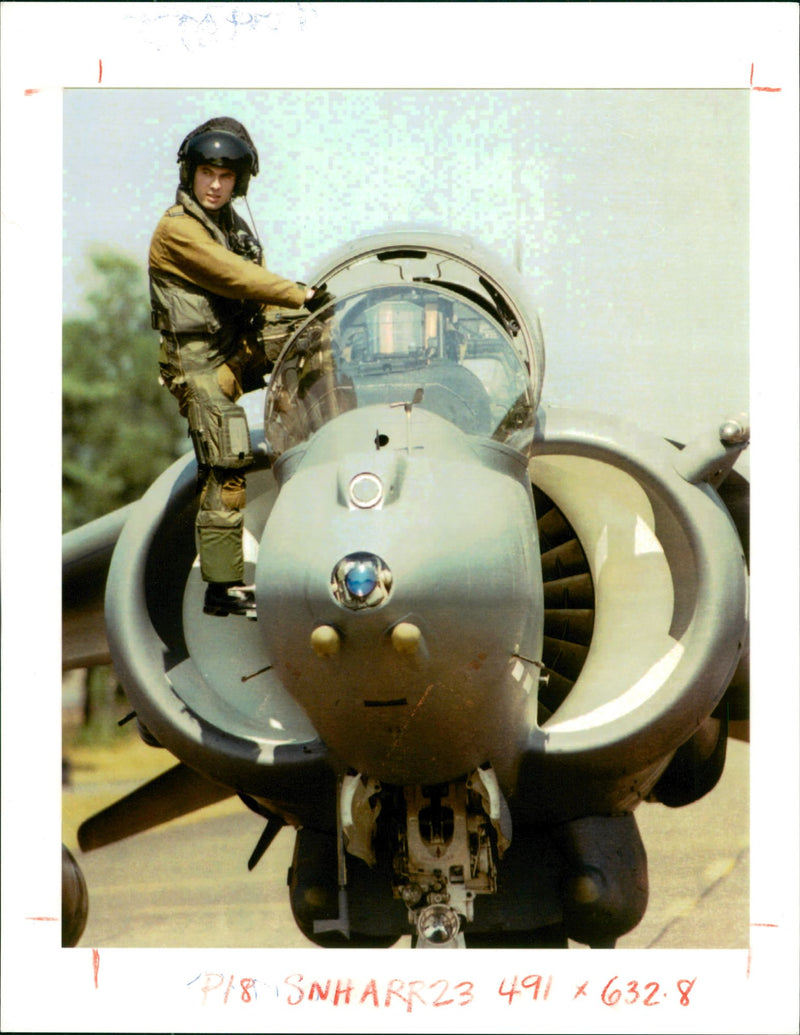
(174, 793)
(86, 556)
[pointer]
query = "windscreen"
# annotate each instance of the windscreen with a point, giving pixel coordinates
(381, 346)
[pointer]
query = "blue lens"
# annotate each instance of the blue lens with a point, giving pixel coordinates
(361, 579)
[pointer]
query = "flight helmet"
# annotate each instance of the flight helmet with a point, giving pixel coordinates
(221, 142)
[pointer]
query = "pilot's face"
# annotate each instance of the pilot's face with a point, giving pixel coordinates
(213, 187)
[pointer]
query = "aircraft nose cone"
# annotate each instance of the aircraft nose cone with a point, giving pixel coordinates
(361, 580)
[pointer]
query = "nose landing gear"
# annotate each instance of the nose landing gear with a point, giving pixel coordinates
(446, 856)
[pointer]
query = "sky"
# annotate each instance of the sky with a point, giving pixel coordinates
(625, 211)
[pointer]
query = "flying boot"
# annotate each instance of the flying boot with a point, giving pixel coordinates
(230, 598)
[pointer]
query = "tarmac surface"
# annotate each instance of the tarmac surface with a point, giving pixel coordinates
(186, 884)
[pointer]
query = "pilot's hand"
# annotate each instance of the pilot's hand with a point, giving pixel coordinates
(316, 297)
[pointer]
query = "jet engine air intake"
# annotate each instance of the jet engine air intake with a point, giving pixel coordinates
(659, 654)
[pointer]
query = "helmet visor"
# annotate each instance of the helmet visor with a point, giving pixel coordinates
(219, 149)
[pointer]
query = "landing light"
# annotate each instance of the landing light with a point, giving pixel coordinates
(438, 926)
(734, 431)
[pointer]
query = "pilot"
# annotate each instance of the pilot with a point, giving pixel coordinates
(214, 303)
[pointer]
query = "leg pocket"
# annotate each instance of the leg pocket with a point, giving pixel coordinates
(233, 491)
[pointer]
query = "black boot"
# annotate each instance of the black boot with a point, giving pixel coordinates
(230, 598)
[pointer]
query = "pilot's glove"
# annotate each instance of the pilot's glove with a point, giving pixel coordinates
(317, 297)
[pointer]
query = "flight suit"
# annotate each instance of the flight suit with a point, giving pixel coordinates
(208, 300)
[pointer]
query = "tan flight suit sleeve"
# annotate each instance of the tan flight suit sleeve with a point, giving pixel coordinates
(182, 247)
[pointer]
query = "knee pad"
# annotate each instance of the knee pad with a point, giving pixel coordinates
(223, 491)
(233, 491)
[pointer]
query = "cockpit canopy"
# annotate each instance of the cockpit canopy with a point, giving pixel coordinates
(409, 325)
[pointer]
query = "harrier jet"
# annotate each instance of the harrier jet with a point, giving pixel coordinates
(486, 629)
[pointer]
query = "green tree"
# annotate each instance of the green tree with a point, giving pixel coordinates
(121, 428)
